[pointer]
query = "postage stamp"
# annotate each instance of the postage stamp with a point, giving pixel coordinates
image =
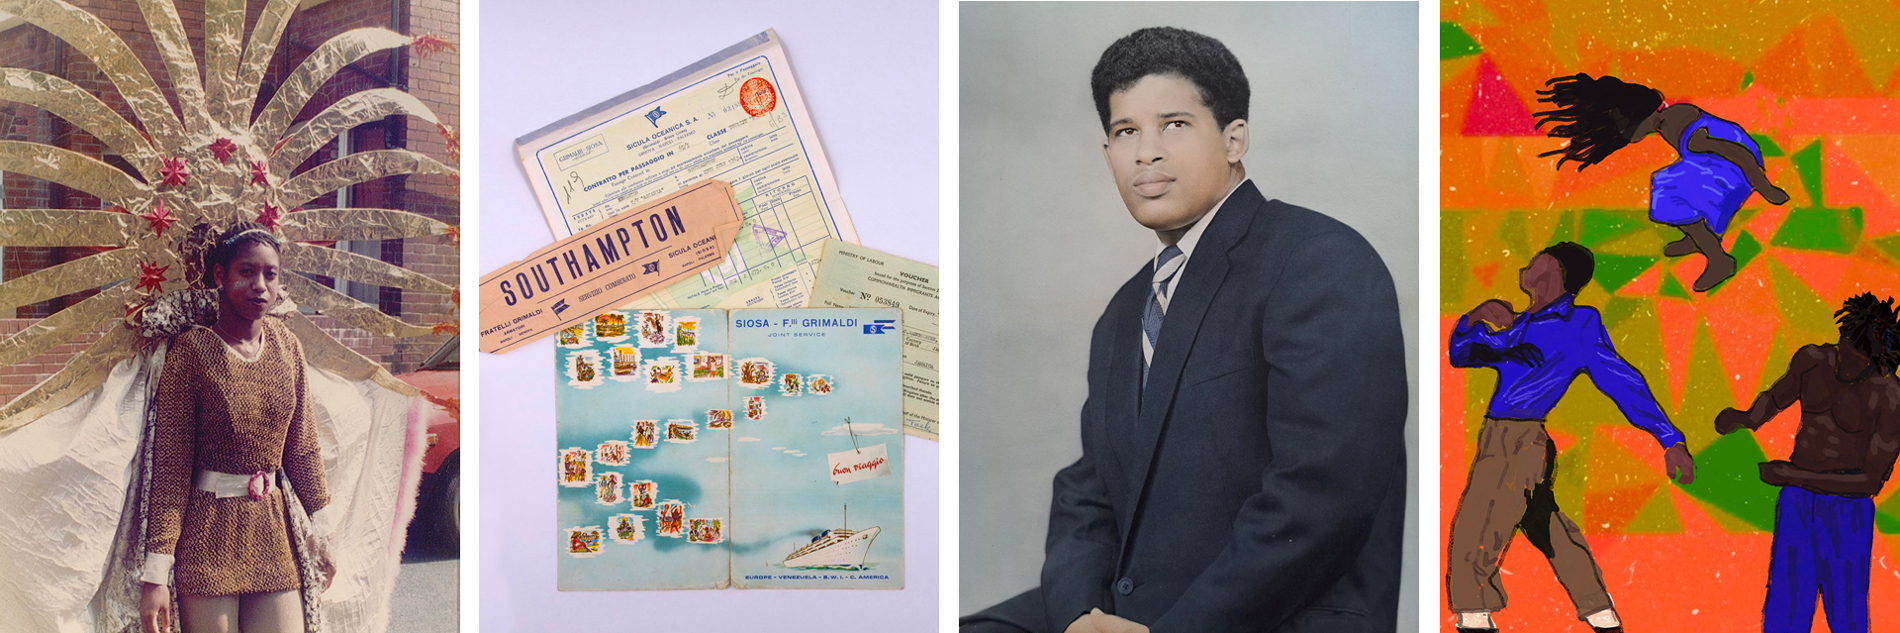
(707, 367)
(607, 489)
(671, 517)
(583, 542)
(611, 453)
(790, 385)
(577, 470)
(610, 327)
(583, 369)
(755, 373)
(653, 328)
(755, 408)
(686, 334)
(646, 433)
(819, 384)
(705, 531)
(663, 375)
(719, 418)
(628, 528)
(641, 492)
(682, 431)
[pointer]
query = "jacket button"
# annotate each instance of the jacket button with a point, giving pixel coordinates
(1124, 586)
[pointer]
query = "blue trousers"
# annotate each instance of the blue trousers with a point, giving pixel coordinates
(1822, 543)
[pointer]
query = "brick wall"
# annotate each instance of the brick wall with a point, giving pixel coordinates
(434, 80)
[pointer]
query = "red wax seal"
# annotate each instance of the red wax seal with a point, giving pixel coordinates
(757, 96)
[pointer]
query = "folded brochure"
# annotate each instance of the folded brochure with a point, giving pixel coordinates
(750, 448)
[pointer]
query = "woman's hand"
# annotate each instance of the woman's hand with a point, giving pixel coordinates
(155, 608)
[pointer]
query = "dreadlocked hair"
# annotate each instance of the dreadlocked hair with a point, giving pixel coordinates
(230, 243)
(1871, 326)
(1595, 114)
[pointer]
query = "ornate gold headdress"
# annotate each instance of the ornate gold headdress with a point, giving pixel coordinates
(207, 169)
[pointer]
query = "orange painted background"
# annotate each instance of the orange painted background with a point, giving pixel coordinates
(1818, 84)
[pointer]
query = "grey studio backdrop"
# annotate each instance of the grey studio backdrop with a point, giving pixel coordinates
(1046, 240)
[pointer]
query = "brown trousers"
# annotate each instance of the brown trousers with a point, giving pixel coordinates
(1509, 489)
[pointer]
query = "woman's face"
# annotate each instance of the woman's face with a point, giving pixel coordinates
(249, 283)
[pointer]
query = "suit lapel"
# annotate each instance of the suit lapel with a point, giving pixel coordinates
(1124, 389)
(1206, 268)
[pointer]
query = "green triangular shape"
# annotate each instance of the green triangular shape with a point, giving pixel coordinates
(1454, 42)
(1807, 162)
(1615, 270)
(1453, 272)
(1889, 246)
(1887, 516)
(1600, 225)
(1673, 288)
(1769, 148)
(1803, 310)
(1728, 476)
(1748, 79)
(1745, 250)
(1658, 516)
(1830, 230)
(1620, 308)
(1566, 228)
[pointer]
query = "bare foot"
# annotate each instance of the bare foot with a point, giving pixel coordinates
(1774, 195)
(1720, 267)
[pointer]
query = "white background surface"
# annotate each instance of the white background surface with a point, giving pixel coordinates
(869, 74)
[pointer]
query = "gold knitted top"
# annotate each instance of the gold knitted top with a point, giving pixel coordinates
(217, 411)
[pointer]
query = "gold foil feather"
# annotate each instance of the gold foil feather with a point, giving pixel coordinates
(66, 324)
(318, 68)
(320, 350)
(346, 113)
(169, 33)
(323, 225)
(331, 262)
(359, 168)
(80, 375)
(75, 170)
(220, 169)
(224, 43)
(86, 273)
(81, 108)
(111, 55)
(347, 310)
(68, 227)
(265, 35)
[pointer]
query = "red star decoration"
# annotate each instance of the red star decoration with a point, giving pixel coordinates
(259, 174)
(223, 148)
(174, 170)
(151, 276)
(454, 140)
(429, 43)
(158, 217)
(268, 216)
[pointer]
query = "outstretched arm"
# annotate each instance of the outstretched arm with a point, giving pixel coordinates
(1337, 400)
(1619, 380)
(1781, 395)
(1701, 141)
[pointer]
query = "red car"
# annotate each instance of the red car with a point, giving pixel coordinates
(438, 507)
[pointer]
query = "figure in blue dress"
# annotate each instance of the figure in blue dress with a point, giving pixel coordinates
(1719, 164)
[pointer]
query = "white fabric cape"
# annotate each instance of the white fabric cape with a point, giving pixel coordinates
(64, 480)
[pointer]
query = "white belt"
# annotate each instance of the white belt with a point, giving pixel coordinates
(225, 485)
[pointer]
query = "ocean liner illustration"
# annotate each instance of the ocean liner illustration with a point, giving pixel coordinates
(835, 549)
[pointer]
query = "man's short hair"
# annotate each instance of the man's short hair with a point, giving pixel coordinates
(1163, 50)
(1577, 262)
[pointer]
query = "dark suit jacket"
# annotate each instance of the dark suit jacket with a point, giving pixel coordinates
(1258, 483)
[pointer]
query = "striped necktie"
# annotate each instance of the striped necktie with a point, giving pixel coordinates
(1167, 265)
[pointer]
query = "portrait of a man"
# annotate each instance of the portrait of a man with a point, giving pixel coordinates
(1243, 462)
